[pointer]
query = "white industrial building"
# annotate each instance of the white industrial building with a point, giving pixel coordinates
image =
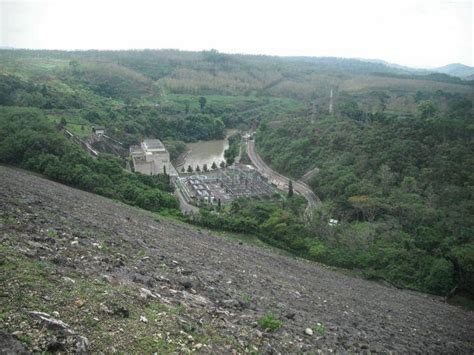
(151, 158)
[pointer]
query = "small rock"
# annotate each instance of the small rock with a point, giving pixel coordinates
(82, 345)
(79, 303)
(290, 315)
(119, 263)
(11, 345)
(198, 346)
(187, 284)
(51, 323)
(143, 319)
(121, 311)
(105, 309)
(146, 293)
(145, 280)
(230, 303)
(69, 280)
(55, 346)
(108, 278)
(59, 260)
(308, 331)
(56, 314)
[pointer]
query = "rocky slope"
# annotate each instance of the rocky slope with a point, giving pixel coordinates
(83, 273)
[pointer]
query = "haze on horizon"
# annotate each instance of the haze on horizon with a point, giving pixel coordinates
(418, 33)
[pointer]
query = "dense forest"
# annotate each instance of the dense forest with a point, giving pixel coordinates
(28, 140)
(401, 187)
(392, 163)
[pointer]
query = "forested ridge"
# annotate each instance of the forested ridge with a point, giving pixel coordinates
(29, 141)
(401, 187)
(393, 162)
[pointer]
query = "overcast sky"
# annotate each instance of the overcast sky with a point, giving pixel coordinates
(422, 33)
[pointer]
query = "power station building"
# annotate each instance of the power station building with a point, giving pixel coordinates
(151, 158)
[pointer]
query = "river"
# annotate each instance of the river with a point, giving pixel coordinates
(207, 152)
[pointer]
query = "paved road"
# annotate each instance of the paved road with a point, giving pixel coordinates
(185, 207)
(306, 177)
(280, 180)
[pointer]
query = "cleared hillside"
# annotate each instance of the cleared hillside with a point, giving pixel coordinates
(128, 280)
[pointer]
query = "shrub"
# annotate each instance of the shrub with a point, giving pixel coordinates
(270, 323)
(319, 328)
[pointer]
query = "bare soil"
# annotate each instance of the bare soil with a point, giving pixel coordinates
(132, 281)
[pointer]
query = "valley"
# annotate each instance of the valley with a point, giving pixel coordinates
(338, 216)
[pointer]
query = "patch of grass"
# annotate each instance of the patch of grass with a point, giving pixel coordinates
(141, 253)
(270, 323)
(150, 344)
(26, 339)
(7, 220)
(246, 298)
(52, 233)
(319, 328)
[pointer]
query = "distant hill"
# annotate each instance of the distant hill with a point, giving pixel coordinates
(459, 70)
(456, 69)
(399, 68)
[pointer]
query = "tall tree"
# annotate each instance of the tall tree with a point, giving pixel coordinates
(426, 109)
(202, 103)
(290, 188)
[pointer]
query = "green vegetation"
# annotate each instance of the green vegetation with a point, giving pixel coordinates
(234, 148)
(319, 328)
(270, 323)
(392, 183)
(394, 159)
(82, 301)
(274, 222)
(29, 140)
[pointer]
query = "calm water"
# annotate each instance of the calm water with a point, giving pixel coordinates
(207, 152)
